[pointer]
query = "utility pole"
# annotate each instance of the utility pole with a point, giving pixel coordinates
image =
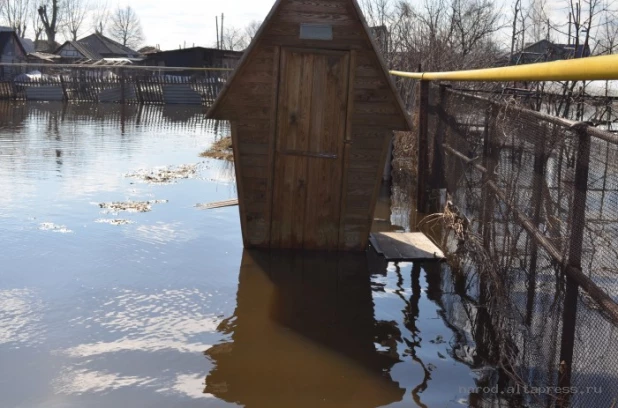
(222, 46)
(217, 24)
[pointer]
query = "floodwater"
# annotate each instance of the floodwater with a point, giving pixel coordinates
(166, 309)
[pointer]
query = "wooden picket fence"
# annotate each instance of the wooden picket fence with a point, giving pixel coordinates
(134, 89)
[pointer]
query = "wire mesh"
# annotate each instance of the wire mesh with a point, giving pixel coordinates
(531, 219)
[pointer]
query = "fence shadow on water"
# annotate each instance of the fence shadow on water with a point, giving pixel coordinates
(531, 226)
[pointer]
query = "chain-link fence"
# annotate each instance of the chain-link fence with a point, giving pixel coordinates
(532, 221)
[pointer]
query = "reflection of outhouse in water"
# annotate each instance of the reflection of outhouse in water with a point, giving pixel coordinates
(304, 335)
(312, 109)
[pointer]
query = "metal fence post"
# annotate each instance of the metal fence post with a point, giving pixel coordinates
(538, 180)
(489, 162)
(578, 221)
(423, 148)
(435, 142)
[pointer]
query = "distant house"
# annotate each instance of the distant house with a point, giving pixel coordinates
(545, 51)
(28, 45)
(95, 47)
(11, 51)
(45, 46)
(42, 58)
(149, 49)
(195, 57)
(73, 50)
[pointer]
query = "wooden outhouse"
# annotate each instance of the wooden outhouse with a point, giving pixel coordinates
(312, 110)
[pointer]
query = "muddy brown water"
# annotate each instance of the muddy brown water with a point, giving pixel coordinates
(168, 310)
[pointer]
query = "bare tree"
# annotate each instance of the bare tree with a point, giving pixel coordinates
(35, 21)
(15, 13)
(537, 26)
(607, 39)
(51, 19)
(377, 12)
(473, 21)
(100, 17)
(75, 12)
(234, 39)
(585, 14)
(252, 29)
(516, 13)
(126, 27)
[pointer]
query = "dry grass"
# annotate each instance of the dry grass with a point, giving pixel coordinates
(221, 149)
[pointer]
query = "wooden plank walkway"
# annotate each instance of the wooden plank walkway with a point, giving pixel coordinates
(218, 204)
(405, 246)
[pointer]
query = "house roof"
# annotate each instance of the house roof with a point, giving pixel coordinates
(266, 26)
(97, 46)
(43, 56)
(582, 50)
(542, 51)
(85, 51)
(6, 36)
(28, 45)
(191, 49)
(101, 45)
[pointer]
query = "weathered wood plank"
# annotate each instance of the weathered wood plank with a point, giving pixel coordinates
(254, 126)
(272, 138)
(246, 148)
(370, 83)
(240, 188)
(305, 17)
(257, 137)
(317, 6)
(388, 121)
(289, 193)
(346, 147)
(248, 99)
(408, 246)
(373, 95)
(335, 44)
(218, 204)
(246, 113)
(350, 31)
(254, 160)
(328, 114)
(376, 189)
(255, 171)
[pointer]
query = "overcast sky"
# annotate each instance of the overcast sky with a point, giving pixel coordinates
(193, 21)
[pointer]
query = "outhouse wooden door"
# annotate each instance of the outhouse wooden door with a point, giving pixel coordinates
(309, 148)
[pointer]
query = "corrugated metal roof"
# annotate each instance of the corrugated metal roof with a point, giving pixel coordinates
(104, 46)
(84, 51)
